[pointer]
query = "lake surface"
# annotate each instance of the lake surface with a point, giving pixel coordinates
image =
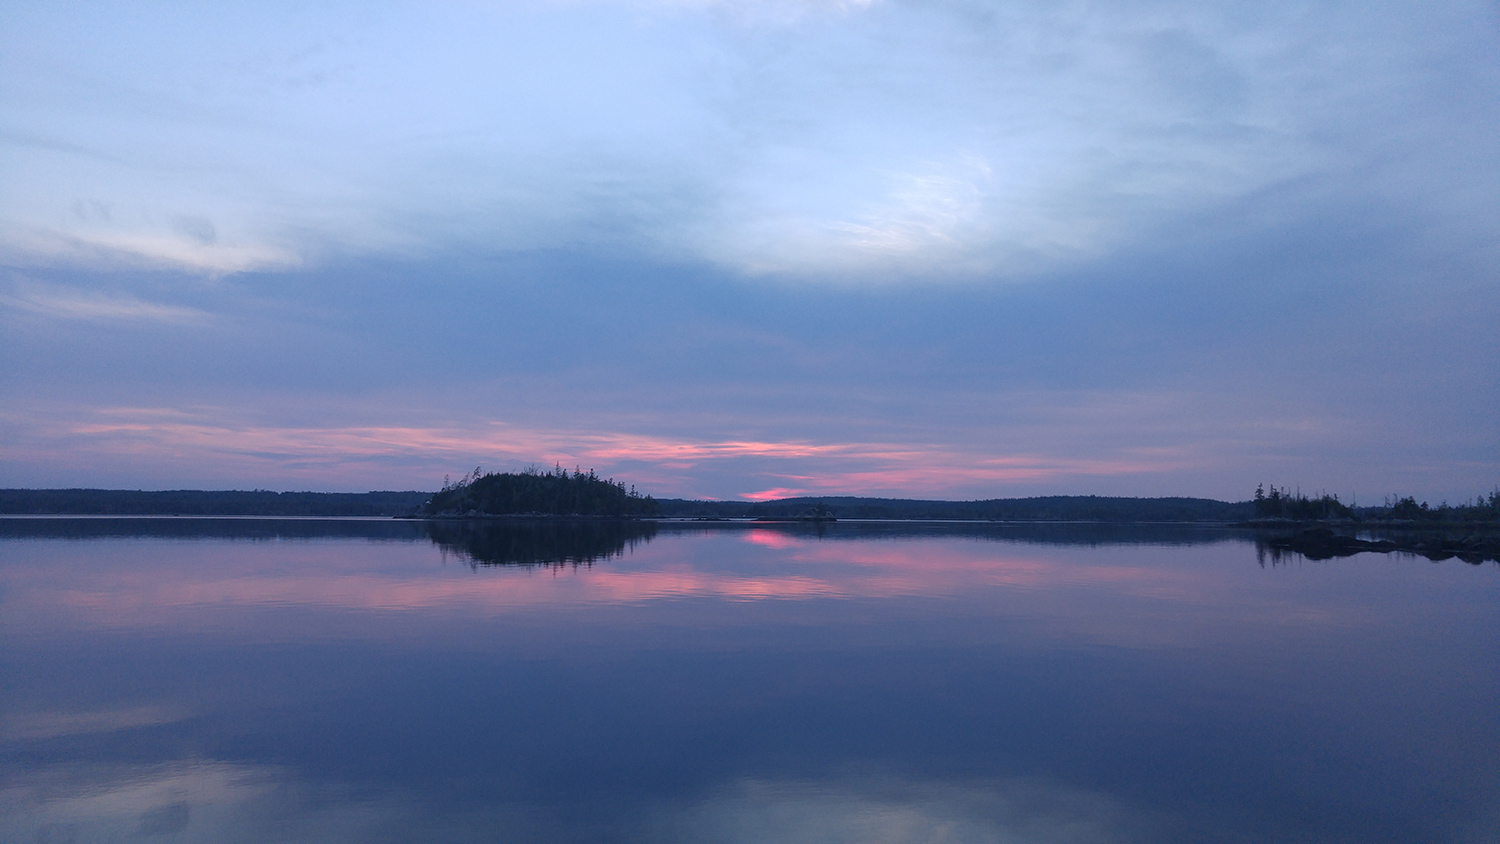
(223, 680)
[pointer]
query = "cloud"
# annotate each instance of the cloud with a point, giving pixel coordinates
(774, 493)
(935, 213)
(852, 141)
(325, 454)
(863, 245)
(53, 302)
(198, 229)
(758, 12)
(188, 244)
(924, 210)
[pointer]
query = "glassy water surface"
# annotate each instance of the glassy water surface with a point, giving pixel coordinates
(341, 681)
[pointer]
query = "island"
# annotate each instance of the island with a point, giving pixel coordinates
(1323, 527)
(533, 492)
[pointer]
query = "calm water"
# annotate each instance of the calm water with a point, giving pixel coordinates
(348, 681)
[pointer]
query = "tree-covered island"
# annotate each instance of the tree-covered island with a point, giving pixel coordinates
(537, 493)
(1469, 531)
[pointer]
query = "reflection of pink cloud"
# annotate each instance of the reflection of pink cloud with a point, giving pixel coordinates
(334, 589)
(139, 594)
(136, 602)
(885, 570)
(771, 538)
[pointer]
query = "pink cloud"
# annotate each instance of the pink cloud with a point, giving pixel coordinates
(377, 454)
(774, 493)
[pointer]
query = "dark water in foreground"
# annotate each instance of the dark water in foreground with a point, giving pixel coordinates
(345, 681)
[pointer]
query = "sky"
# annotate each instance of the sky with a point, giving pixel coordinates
(734, 249)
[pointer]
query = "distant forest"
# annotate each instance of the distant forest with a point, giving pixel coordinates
(1281, 503)
(1050, 508)
(192, 502)
(562, 493)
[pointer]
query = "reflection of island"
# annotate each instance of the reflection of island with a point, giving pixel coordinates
(540, 542)
(1321, 543)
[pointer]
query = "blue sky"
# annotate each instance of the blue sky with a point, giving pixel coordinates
(728, 249)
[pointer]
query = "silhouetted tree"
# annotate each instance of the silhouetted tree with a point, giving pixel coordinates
(1280, 503)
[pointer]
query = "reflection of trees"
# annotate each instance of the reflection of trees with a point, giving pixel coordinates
(1322, 543)
(1089, 534)
(211, 528)
(543, 542)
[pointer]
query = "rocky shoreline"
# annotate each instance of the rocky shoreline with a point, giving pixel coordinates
(1322, 543)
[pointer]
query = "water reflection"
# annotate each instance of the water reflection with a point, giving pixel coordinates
(244, 528)
(552, 540)
(1070, 534)
(523, 542)
(863, 808)
(218, 802)
(543, 542)
(222, 680)
(1475, 547)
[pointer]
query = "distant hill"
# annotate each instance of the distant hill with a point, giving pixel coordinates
(195, 502)
(1048, 508)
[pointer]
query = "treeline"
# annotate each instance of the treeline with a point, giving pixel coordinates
(534, 492)
(194, 502)
(1483, 509)
(1072, 508)
(1280, 503)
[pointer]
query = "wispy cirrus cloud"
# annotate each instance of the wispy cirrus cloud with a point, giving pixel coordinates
(186, 243)
(65, 303)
